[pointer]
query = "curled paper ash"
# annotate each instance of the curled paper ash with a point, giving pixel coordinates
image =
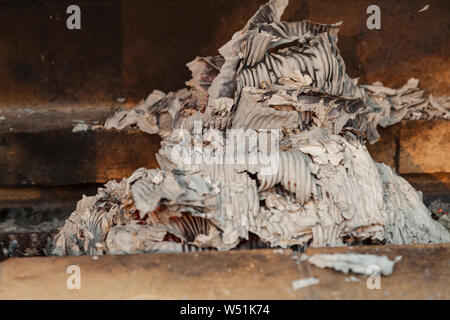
(266, 143)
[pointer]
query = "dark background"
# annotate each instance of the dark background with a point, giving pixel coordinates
(128, 48)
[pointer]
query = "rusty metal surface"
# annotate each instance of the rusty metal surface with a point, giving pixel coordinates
(385, 150)
(424, 147)
(44, 64)
(422, 273)
(61, 157)
(431, 184)
(47, 153)
(64, 117)
(128, 48)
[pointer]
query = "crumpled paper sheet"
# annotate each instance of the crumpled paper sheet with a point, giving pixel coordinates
(441, 212)
(287, 76)
(304, 283)
(352, 196)
(354, 262)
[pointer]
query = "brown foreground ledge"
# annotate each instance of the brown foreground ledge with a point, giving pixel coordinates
(422, 273)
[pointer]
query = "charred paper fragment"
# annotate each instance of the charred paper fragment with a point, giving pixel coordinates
(352, 279)
(134, 238)
(81, 127)
(354, 262)
(390, 106)
(303, 283)
(425, 8)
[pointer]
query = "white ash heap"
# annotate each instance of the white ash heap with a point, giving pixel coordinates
(277, 81)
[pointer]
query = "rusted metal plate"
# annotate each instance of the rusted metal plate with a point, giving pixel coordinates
(385, 150)
(128, 48)
(424, 147)
(435, 183)
(422, 273)
(64, 158)
(45, 197)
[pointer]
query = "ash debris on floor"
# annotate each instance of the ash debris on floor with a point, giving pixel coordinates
(354, 262)
(287, 76)
(32, 219)
(440, 212)
(27, 231)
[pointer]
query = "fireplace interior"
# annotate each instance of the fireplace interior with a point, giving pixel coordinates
(59, 86)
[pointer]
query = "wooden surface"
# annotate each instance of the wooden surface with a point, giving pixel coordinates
(45, 197)
(385, 150)
(422, 273)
